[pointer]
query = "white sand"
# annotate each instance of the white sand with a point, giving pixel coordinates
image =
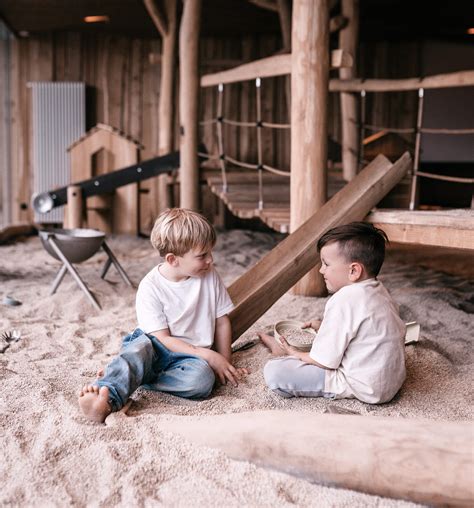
(51, 456)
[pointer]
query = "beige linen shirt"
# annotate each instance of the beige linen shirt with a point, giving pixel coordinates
(361, 341)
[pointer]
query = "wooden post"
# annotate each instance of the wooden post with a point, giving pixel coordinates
(75, 207)
(188, 103)
(284, 13)
(166, 24)
(309, 90)
(348, 39)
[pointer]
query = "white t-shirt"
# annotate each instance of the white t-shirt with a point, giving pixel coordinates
(362, 339)
(189, 308)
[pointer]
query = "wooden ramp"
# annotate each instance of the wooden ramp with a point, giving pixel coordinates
(261, 286)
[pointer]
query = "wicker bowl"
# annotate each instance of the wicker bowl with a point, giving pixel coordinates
(296, 336)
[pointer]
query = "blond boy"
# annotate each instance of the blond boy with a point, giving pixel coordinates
(183, 342)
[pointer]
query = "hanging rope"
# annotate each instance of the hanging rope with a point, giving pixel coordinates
(434, 176)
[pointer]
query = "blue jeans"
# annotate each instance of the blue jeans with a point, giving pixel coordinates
(290, 377)
(145, 361)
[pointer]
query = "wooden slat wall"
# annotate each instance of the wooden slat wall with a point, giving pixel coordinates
(122, 76)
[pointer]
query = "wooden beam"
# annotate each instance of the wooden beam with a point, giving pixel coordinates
(309, 122)
(284, 13)
(189, 103)
(446, 228)
(159, 19)
(13, 231)
(269, 5)
(348, 41)
(261, 286)
(277, 65)
(166, 24)
(420, 460)
(166, 103)
(451, 79)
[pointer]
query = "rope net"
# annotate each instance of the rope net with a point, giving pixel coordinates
(224, 158)
(258, 124)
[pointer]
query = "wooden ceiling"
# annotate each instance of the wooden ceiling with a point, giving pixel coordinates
(379, 19)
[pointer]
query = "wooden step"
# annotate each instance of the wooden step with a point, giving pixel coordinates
(443, 228)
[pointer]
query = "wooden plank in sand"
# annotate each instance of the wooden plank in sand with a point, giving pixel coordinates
(425, 461)
(261, 286)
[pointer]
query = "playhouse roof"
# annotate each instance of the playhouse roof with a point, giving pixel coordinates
(108, 128)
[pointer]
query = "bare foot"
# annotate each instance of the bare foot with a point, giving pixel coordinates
(272, 344)
(95, 403)
(100, 373)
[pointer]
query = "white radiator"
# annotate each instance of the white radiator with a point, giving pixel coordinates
(58, 119)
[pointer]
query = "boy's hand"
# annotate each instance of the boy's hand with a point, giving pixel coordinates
(224, 370)
(288, 350)
(315, 324)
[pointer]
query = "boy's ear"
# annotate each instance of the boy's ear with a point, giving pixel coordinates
(171, 259)
(356, 270)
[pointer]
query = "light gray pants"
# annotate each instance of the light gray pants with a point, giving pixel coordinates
(290, 377)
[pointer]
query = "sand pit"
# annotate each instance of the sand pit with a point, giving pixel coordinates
(51, 456)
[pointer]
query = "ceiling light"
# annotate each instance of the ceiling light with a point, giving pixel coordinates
(96, 19)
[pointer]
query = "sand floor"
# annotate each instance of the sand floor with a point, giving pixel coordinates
(51, 456)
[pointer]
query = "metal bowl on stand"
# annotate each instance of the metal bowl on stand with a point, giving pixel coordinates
(77, 245)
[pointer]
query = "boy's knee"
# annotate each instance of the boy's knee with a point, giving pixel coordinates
(272, 373)
(141, 344)
(201, 379)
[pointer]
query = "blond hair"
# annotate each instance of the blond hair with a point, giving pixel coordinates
(178, 230)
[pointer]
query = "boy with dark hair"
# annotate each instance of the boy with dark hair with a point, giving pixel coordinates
(359, 350)
(183, 342)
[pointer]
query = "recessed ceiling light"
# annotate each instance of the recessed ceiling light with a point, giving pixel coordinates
(96, 19)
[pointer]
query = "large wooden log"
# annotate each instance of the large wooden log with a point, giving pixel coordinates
(309, 122)
(189, 103)
(418, 460)
(261, 286)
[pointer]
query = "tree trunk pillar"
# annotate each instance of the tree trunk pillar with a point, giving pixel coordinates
(309, 91)
(348, 38)
(165, 107)
(189, 103)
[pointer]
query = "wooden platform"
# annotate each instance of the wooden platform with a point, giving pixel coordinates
(242, 196)
(444, 228)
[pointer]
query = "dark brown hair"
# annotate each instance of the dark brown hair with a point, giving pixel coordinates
(358, 242)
